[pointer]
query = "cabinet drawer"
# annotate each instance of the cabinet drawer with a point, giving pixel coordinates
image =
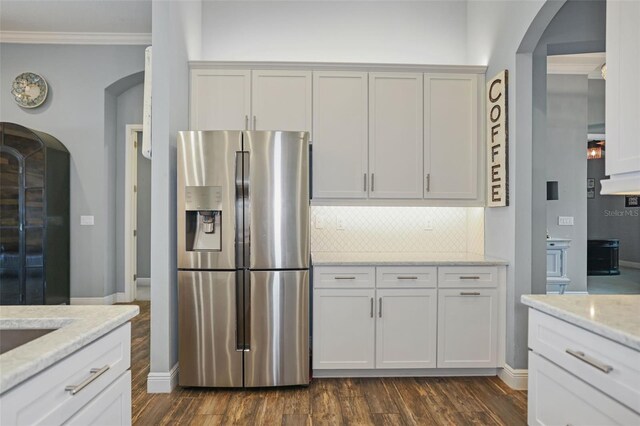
(344, 277)
(111, 407)
(586, 355)
(43, 399)
(468, 276)
(406, 277)
(557, 397)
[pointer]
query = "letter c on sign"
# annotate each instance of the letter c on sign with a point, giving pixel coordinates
(491, 97)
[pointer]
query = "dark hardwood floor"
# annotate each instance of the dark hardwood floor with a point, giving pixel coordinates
(388, 401)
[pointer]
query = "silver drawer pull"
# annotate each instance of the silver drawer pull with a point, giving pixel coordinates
(95, 373)
(407, 278)
(475, 277)
(344, 278)
(469, 293)
(592, 362)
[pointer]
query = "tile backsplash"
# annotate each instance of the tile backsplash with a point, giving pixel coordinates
(397, 229)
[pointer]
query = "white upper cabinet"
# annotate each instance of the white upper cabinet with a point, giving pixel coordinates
(281, 100)
(340, 145)
(220, 99)
(622, 159)
(451, 136)
(395, 135)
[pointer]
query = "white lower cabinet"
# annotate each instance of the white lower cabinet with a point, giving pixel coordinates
(343, 328)
(406, 328)
(111, 407)
(403, 320)
(557, 397)
(467, 328)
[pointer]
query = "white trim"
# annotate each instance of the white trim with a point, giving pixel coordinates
(628, 264)
(121, 297)
(130, 219)
(42, 37)
(143, 289)
(337, 66)
(106, 300)
(576, 292)
(163, 382)
(515, 378)
(622, 184)
(408, 372)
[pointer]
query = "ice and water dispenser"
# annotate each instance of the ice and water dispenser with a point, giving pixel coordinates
(203, 209)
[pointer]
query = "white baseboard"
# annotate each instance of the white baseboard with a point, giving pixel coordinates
(121, 297)
(145, 282)
(576, 292)
(515, 378)
(405, 372)
(106, 300)
(628, 264)
(163, 382)
(143, 289)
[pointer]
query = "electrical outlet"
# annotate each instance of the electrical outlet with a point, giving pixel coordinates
(565, 220)
(320, 222)
(86, 220)
(340, 223)
(428, 225)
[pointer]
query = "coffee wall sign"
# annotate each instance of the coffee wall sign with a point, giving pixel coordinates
(497, 141)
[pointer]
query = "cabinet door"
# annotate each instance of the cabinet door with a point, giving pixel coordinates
(451, 136)
(343, 329)
(220, 99)
(340, 129)
(623, 91)
(281, 100)
(467, 328)
(406, 329)
(395, 135)
(557, 397)
(111, 407)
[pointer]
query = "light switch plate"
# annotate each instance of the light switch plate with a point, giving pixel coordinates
(340, 223)
(565, 220)
(86, 220)
(428, 225)
(320, 222)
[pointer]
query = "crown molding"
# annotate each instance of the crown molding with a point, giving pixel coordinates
(40, 37)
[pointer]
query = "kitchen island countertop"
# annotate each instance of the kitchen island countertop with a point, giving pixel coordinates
(76, 326)
(616, 317)
(403, 259)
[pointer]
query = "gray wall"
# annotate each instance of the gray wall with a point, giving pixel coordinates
(77, 112)
(566, 163)
(608, 217)
(596, 106)
(128, 111)
(144, 215)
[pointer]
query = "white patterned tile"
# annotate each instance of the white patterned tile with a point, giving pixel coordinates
(398, 229)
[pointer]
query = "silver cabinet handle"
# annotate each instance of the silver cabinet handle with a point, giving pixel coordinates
(371, 312)
(344, 278)
(470, 278)
(407, 278)
(254, 122)
(591, 361)
(469, 293)
(246, 122)
(95, 373)
(373, 181)
(428, 182)
(380, 307)
(365, 182)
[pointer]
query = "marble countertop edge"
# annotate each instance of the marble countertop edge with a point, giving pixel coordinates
(628, 315)
(403, 259)
(76, 329)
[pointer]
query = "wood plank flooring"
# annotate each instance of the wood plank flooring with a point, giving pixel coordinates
(384, 401)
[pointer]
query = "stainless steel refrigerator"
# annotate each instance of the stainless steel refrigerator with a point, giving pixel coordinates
(243, 258)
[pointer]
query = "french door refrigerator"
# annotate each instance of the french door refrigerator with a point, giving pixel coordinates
(243, 258)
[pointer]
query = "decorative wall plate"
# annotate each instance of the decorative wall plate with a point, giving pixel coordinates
(29, 90)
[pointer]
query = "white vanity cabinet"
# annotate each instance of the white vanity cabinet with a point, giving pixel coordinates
(89, 386)
(622, 162)
(407, 319)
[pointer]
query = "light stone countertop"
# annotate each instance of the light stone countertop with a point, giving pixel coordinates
(76, 326)
(403, 259)
(616, 317)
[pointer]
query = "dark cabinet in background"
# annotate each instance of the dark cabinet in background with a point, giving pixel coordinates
(602, 257)
(34, 217)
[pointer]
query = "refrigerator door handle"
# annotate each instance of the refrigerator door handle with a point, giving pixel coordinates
(242, 209)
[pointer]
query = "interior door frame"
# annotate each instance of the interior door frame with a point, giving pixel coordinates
(130, 211)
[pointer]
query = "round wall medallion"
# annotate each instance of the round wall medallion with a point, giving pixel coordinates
(29, 90)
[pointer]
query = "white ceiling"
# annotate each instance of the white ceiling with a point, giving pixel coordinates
(584, 63)
(81, 16)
